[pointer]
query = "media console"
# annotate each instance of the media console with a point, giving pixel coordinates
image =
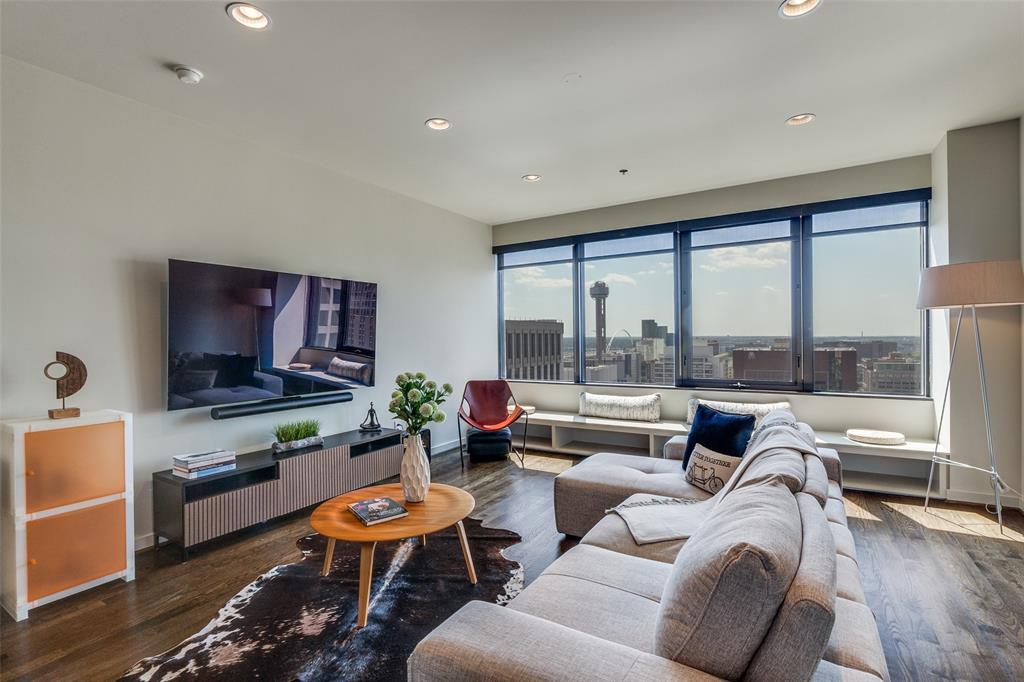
(266, 485)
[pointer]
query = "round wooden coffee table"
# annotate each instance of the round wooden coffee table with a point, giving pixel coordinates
(445, 506)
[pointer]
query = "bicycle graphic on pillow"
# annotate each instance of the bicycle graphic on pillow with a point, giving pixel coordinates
(705, 477)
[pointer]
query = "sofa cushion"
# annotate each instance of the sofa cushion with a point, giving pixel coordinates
(844, 540)
(674, 448)
(604, 480)
(346, 369)
(835, 490)
(801, 629)
(644, 408)
(643, 577)
(727, 434)
(854, 642)
(835, 510)
(729, 579)
(783, 464)
(759, 410)
(848, 585)
(833, 465)
(190, 380)
(612, 533)
(816, 480)
(709, 470)
(596, 609)
(232, 370)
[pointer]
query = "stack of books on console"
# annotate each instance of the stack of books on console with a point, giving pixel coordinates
(199, 464)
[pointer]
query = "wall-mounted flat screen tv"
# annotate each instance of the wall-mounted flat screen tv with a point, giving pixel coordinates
(238, 334)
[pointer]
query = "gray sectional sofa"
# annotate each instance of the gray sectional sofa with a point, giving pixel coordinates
(766, 588)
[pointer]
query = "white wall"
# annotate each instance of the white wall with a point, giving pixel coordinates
(842, 183)
(99, 191)
(976, 205)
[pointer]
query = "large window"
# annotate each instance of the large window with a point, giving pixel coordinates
(629, 310)
(813, 298)
(741, 305)
(537, 325)
(868, 337)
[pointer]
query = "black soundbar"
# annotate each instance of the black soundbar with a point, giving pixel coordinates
(279, 404)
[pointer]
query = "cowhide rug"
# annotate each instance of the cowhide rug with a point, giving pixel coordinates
(293, 624)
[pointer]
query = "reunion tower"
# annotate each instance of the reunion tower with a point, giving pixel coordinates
(599, 292)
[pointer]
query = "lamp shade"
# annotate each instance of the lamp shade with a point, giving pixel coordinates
(259, 298)
(982, 284)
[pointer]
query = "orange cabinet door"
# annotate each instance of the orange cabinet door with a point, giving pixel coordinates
(75, 547)
(64, 466)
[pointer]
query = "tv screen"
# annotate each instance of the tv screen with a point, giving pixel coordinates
(238, 334)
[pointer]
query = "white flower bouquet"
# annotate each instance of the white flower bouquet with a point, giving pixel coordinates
(417, 401)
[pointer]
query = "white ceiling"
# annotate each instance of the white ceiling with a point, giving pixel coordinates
(687, 95)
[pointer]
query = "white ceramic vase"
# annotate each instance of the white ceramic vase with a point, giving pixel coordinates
(415, 470)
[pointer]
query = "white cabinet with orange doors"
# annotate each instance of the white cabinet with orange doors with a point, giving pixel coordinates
(67, 521)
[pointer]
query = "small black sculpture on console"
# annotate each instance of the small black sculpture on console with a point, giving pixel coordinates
(370, 423)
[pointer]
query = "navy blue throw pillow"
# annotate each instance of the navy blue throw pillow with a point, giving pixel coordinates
(726, 434)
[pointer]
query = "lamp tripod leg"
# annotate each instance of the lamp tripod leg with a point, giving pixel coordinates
(993, 469)
(942, 412)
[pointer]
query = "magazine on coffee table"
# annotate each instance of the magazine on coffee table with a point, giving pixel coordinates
(377, 510)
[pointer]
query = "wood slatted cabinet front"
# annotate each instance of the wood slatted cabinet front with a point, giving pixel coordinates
(264, 486)
(66, 513)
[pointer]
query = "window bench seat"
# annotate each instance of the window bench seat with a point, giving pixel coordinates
(899, 469)
(569, 433)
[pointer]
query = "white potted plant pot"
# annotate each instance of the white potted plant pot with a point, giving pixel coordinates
(300, 443)
(415, 473)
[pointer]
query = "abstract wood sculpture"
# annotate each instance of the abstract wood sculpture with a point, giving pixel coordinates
(68, 383)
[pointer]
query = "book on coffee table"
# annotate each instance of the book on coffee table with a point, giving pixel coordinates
(377, 510)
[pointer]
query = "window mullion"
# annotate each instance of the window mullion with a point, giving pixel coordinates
(684, 309)
(579, 359)
(806, 304)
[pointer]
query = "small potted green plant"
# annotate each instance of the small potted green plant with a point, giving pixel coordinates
(302, 433)
(417, 402)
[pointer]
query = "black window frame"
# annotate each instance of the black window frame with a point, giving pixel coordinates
(501, 267)
(802, 294)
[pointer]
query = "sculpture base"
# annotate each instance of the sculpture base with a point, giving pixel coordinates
(64, 413)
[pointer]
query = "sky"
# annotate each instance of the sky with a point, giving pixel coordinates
(863, 283)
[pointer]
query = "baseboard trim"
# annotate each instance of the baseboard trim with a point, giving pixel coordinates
(143, 542)
(974, 497)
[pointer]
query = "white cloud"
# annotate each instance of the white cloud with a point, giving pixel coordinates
(617, 278)
(537, 278)
(612, 278)
(721, 293)
(769, 287)
(762, 256)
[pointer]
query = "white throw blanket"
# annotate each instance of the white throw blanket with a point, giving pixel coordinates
(654, 518)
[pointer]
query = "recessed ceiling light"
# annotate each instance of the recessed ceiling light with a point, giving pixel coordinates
(438, 123)
(790, 9)
(531, 177)
(249, 16)
(800, 119)
(188, 75)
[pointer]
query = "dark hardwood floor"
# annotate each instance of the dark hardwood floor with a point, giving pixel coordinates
(947, 590)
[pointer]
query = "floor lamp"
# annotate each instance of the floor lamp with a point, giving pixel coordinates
(971, 286)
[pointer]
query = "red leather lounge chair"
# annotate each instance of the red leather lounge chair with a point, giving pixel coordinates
(488, 405)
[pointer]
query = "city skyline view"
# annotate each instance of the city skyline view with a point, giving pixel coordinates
(862, 267)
